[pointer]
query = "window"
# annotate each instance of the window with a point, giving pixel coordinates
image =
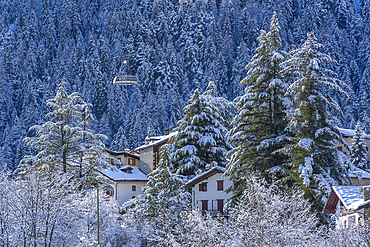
(339, 148)
(367, 149)
(203, 187)
(133, 197)
(133, 187)
(220, 185)
(204, 205)
(220, 205)
(131, 162)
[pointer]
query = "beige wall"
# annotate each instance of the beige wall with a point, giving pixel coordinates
(146, 160)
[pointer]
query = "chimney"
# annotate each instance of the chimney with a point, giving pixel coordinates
(147, 140)
(208, 166)
(198, 172)
(167, 131)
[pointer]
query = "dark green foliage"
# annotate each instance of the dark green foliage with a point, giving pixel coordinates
(258, 129)
(201, 133)
(315, 164)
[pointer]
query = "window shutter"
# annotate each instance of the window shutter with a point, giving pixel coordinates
(220, 205)
(200, 187)
(220, 185)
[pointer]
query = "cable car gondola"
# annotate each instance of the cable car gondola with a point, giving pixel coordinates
(122, 79)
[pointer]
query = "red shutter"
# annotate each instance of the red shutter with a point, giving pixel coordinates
(220, 205)
(220, 185)
(204, 205)
(200, 187)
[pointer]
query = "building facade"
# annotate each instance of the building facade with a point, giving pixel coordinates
(150, 151)
(350, 204)
(123, 158)
(209, 191)
(127, 181)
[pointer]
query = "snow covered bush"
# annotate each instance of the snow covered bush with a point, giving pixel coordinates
(267, 216)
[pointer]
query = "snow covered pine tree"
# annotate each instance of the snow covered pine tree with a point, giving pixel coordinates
(258, 129)
(201, 134)
(315, 164)
(358, 148)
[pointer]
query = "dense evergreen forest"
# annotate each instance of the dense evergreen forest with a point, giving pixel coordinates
(176, 47)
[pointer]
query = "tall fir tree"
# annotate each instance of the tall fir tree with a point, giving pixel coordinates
(201, 137)
(358, 148)
(119, 143)
(258, 129)
(314, 164)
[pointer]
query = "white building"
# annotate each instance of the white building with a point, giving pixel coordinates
(350, 204)
(128, 182)
(208, 190)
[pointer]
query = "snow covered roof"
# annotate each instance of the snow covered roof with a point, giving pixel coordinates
(118, 175)
(157, 140)
(205, 175)
(364, 174)
(351, 133)
(122, 153)
(352, 197)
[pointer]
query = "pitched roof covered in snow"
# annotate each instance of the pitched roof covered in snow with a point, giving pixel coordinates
(351, 197)
(205, 175)
(364, 174)
(119, 175)
(351, 133)
(157, 140)
(122, 153)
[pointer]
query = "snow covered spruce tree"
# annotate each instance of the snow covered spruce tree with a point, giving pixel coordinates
(65, 143)
(162, 204)
(201, 134)
(358, 148)
(315, 164)
(258, 129)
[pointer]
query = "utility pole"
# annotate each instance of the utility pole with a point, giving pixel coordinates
(97, 208)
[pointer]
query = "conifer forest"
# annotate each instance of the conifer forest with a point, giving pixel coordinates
(258, 88)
